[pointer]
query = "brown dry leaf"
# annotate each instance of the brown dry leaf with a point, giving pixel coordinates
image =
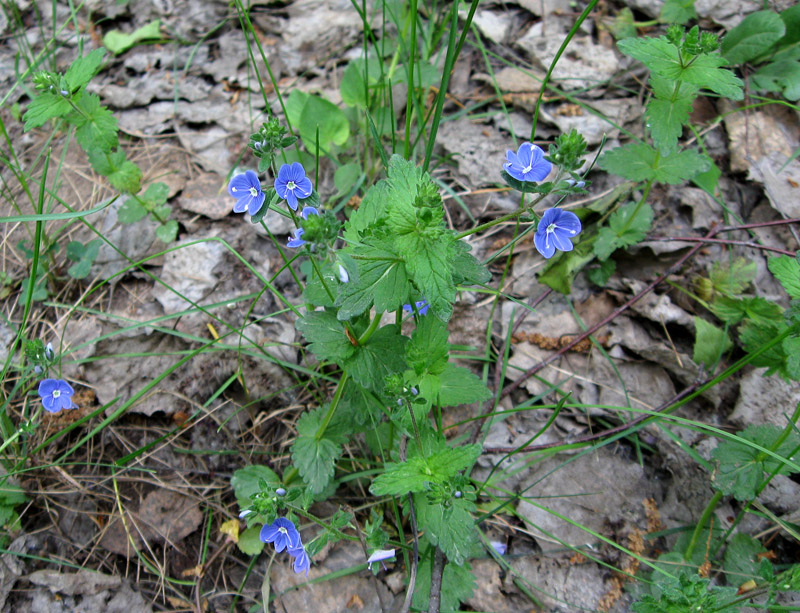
(164, 515)
(355, 602)
(231, 529)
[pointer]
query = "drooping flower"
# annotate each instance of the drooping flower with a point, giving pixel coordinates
(380, 555)
(56, 395)
(343, 276)
(282, 534)
(292, 183)
(298, 232)
(499, 547)
(422, 307)
(528, 163)
(301, 560)
(246, 188)
(555, 230)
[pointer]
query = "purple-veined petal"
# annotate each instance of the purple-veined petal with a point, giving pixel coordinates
(297, 241)
(561, 240)
(308, 210)
(255, 204)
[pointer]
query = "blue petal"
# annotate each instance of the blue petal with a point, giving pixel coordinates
(309, 210)
(525, 154)
(561, 240)
(543, 246)
(297, 241)
(304, 187)
(242, 204)
(550, 216)
(570, 223)
(239, 187)
(256, 203)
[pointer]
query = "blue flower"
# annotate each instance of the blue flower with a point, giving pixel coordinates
(343, 276)
(554, 231)
(422, 307)
(282, 534)
(292, 183)
(56, 395)
(499, 547)
(297, 241)
(379, 556)
(246, 188)
(528, 163)
(301, 561)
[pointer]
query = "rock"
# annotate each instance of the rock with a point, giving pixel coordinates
(764, 399)
(188, 271)
(207, 195)
(586, 66)
(494, 26)
(479, 150)
(594, 490)
(593, 127)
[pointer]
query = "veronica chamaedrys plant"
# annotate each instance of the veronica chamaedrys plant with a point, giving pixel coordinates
(281, 533)
(555, 230)
(293, 184)
(56, 395)
(528, 163)
(246, 188)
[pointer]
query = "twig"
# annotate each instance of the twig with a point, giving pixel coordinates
(604, 433)
(436, 581)
(724, 241)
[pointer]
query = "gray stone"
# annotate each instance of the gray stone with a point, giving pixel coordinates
(764, 399)
(189, 271)
(592, 490)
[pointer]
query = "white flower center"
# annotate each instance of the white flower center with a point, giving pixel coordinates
(56, 393)
(253, 192)
(290, 185)
(551, 228)
(526, 170)
(283, 531)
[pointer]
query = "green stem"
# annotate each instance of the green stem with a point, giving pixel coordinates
(490, 224)
(283, 254)
(417, 436)
(712, 504)
(337, 396)
(373, 325)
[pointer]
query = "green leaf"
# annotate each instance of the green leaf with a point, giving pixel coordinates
(450, 528)
(83, 69)
(741, 467)
(640, 162)
(732, 278)
(326, 336)
(601, 275)
(80, 270)
(96, 125)
(560, 271)
(627, 226)
(791, 20)
(156, 193)
(677, 11)
(458, 584)
(11, 494)
(371, 209)
(353, 88)
(689, 594)
(758, 310)
(428, 350)
(778, 76)
(167, 232)
(382, 280)
(710, 343)
(118, 42)
(742, 558)
(429, 262)
(668, 111)
(787, 272)
(400, 479)
(131, 212)
(382, 355)
(315, 458)
(123, 175)
(319, 114)
(346, 177)
(250, 543)
(245, 482)
(467, 269)
(791, 349)
(460, 386)
(663, 58)
(755, 335)
(754, 36)
(44, 107)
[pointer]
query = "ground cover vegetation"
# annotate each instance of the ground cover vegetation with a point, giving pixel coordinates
(400, 306)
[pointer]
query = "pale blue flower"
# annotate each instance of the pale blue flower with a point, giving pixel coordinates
(528, 163)
(380, 555)
(246, 188)
(301, 560)
(56, 395)
(282, 534)
(292, 183)
(555, 230)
